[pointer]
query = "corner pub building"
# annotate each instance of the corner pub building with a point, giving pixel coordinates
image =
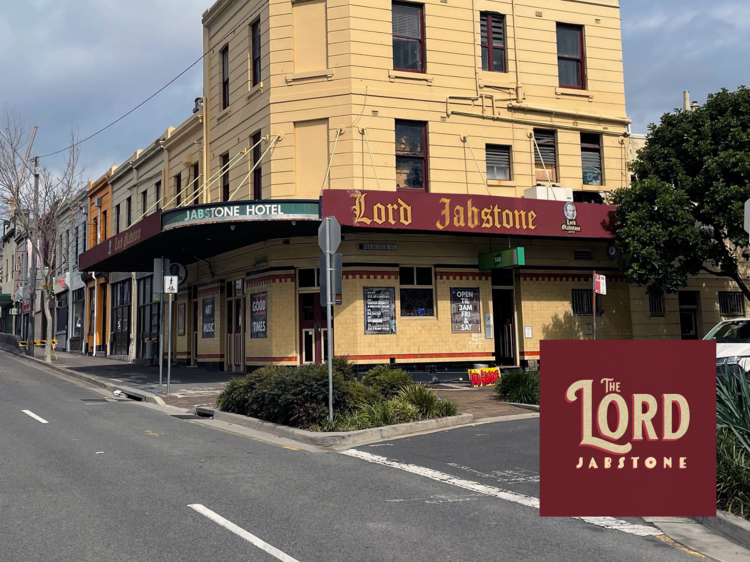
(435, 133)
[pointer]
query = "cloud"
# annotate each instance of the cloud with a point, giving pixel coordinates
(675, 45)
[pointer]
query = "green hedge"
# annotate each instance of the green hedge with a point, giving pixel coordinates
(298, 397)
(732, 474)
(521, 387)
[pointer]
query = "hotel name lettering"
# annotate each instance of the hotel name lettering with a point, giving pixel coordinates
(126, 240)
(451, 215)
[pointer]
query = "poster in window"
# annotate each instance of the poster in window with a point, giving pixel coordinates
(209, 315)
(380, 310)
(181, 319)
(259, 315)
(465, 314)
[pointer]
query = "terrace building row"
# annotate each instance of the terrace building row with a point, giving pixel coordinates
(436, 133)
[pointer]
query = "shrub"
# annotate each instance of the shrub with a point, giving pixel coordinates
(733, 404)
(340, 422)
(342, 366)
(425, 400)
(518, 386)
(296, 396)
(361, 395)
(732, 474)
(445, 409)
(386, 381)
(389, 412)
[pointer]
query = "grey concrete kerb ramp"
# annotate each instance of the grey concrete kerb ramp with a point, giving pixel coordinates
(730, 526)
(338, 439)
(93, 381)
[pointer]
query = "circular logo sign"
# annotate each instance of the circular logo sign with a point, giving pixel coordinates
(570, 212)
(613, 252)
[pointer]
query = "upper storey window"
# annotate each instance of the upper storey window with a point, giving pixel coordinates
(255, 48)
(493, 42)
(571, 63)
(411, 155)
(408, 37)
(225, 77)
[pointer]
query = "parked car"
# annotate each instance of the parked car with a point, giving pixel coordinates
(732, 344)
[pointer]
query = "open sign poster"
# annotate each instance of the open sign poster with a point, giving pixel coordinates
(465, 317)
(258, 315)
(628, 428)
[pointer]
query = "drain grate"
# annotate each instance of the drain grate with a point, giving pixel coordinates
(185, 416)
(94, 400)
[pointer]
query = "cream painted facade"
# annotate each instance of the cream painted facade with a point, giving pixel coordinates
(304, 98)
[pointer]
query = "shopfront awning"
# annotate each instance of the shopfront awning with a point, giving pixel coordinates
(189, 234)
(5, 300)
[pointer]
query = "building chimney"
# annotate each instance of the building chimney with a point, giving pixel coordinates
(686, 101)
(695, 105)
(198, 105)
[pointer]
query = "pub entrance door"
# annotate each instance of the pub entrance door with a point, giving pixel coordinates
(235, 354)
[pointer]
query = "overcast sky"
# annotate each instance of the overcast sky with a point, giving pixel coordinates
(87, 62)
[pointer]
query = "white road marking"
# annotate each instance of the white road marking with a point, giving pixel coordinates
(606, 522)
(33, 415)
(242, 533)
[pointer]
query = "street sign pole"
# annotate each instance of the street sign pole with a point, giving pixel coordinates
(593, 305)
(169, 345)
(329, 238)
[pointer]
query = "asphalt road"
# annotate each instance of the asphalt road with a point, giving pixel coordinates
(114, 481)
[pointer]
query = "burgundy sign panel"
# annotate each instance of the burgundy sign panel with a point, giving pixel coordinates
(140, 231)
(628, 429)
(481, 214)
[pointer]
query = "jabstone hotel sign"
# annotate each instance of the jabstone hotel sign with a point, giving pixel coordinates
(242, 211)
(480, 214)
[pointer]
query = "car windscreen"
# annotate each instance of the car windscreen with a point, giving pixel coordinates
(732, 332)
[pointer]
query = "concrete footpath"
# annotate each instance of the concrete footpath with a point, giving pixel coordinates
(193, 387)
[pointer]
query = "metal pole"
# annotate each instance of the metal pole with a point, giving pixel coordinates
(593, 305)
(329, 311)
(169, 344)
(35, 245)
(161, 338)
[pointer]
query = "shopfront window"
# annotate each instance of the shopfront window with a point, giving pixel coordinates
(121, 311)
(417, 291)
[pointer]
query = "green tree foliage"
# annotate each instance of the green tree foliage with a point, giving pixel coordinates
(684, 212)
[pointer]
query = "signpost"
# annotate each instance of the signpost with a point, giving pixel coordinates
(329, 238)
(170, 288)
(599, 288)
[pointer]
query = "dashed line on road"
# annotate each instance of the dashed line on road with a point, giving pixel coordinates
(33, 415)
(242, 533)
(528, 501)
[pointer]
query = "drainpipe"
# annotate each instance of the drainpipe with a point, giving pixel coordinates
(474, 37)
(519, 87)
(96, 298)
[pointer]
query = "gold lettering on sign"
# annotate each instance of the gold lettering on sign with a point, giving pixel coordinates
(508, 218)
(404, 213)
(522, 222)
(532, 216)
(498, 211)
(487, 218)
(458, 216)
(472, 215)
(359, 208)
(446, 214)
(378, 213)
(391, 207)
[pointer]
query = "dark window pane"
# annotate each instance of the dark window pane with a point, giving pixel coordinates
(410, 172)
(485, 64)
(306, 277)
(308, 307)
(409, 138)
(497, 30)
(483, 28)
(569, 42)
(498, 162)
(406, 275)
(498, 61)
(424, 276)
(417, 302)
(570, 72)
(406, 54)
(407, 20)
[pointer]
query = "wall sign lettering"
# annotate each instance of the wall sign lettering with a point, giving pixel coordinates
(209, 316)
(465, 317)
(380, 310)
(259, 315)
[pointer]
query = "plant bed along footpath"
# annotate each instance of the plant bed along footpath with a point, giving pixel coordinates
(298, 397)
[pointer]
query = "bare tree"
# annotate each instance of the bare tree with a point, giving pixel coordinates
(35, 207)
